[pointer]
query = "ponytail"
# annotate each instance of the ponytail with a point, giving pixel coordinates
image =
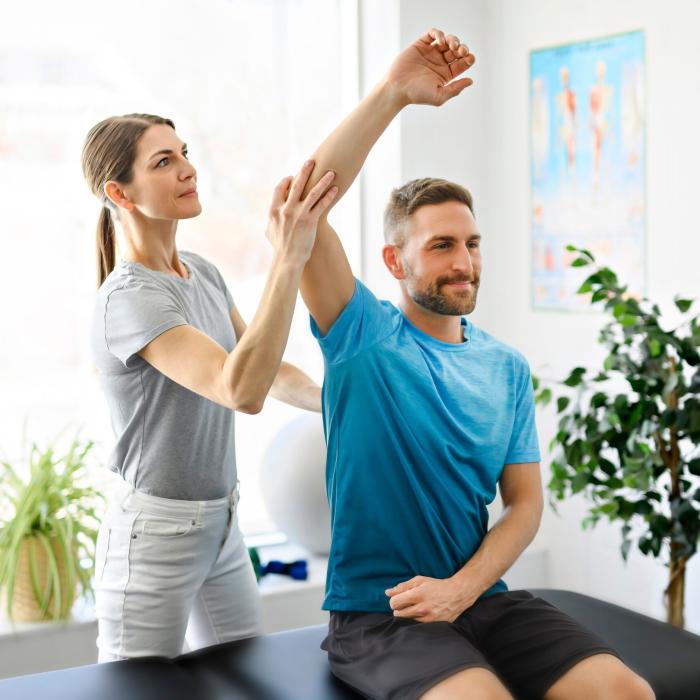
(106, 245)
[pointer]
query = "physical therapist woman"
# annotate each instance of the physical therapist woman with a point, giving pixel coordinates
(175, 361)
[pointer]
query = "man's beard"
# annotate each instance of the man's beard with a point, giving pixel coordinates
(430, 296)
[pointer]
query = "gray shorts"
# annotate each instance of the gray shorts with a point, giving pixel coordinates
(525, 641)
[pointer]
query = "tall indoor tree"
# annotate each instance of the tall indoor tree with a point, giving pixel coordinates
(629, 432)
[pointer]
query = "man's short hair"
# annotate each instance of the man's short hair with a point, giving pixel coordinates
(414, 194)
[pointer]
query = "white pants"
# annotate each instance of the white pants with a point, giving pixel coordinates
(165, 569)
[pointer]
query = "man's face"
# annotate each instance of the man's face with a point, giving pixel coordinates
(441, 258)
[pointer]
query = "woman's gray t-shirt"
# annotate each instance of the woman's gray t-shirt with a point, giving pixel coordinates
(170, 442)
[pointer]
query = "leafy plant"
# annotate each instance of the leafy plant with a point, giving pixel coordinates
(55, 510)
(628, 434)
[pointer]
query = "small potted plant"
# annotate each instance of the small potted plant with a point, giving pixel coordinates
(628, 433)
(48, 530)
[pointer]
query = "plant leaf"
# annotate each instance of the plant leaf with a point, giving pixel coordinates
(683, 304)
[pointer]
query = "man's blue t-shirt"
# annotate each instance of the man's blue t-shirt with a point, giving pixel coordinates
(418, 432)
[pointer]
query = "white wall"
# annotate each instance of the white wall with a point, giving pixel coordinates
(585, 561)
(482, 141)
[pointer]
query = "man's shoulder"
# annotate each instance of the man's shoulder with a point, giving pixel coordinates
(370, 301)
(492, 346)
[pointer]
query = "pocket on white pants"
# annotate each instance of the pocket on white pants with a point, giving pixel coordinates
(101, 547)
(161, 526)
(112, 550)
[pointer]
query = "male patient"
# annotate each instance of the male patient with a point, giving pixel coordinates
(424, 414)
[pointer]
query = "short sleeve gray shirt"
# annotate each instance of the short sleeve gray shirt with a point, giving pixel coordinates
(170, 442)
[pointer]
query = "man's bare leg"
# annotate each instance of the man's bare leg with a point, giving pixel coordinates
(470, 684)
(600, 677)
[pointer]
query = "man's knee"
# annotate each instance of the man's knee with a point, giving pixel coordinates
(600, 677)
(470, 684)
(629, 686)
(624, 684)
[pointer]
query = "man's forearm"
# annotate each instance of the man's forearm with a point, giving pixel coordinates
(345, 150)
(427, 72)
(294, 387)
(501, 547)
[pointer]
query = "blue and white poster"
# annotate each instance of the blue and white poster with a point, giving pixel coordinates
(587, 127)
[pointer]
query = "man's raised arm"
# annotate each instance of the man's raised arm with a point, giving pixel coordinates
(421, 74)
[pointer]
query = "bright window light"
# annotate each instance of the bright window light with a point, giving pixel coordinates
(252, 86)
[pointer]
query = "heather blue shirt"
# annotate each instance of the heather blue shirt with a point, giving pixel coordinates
(417, 432)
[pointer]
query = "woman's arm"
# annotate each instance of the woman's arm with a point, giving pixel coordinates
(241, 379)
(291, 385)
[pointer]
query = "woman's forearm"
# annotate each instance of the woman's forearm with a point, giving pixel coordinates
(251, 368)
(249, 371)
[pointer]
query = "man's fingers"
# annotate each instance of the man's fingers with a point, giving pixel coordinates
(452, 42)
(399, 588)
(300, 181)
(318, 189)
(454, 88)
(463, 51)
(405, 599)
(412, 611)
(450, 56)
(434, 36)
(460, 54)
(404, 586)
(460, 65)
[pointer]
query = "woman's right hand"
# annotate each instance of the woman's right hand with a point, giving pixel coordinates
(293, 222)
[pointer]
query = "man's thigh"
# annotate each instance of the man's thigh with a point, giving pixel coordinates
(389, 658)
(471, 684)
(600, 676)
(530, 643)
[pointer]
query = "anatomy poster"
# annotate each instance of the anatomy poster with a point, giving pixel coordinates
(587, 127)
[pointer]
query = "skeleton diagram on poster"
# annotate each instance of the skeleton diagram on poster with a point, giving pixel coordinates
(587, 164)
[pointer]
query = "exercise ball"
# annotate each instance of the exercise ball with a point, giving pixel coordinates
(293, 483)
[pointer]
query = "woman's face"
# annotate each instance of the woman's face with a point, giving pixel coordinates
(164, 185)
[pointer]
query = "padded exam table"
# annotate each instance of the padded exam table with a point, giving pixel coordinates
(291, 666)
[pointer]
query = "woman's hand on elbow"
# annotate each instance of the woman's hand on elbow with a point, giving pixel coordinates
(293, 220)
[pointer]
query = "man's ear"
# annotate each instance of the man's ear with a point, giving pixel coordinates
(392, 259)
(116, 195)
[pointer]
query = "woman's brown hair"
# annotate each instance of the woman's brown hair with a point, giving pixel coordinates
(108, 154)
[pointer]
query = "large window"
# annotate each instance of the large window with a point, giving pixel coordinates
(252, 86)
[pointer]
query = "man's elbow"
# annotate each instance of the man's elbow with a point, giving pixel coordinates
(530, 514)
(537, 512)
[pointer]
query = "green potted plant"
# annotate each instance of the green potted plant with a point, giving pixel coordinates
(629, 432)
(48, 530)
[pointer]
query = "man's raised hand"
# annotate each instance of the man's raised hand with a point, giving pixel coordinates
(425, 72)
